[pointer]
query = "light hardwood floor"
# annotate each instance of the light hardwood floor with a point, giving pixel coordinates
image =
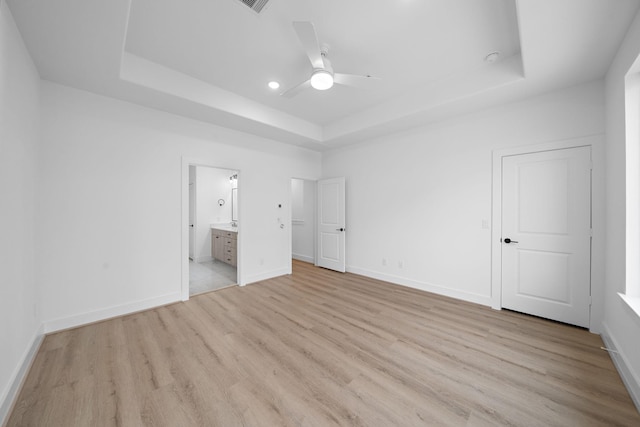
(320, 348)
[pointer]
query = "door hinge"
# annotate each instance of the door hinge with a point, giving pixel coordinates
(591, 232)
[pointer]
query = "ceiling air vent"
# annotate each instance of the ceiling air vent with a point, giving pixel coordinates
(255, 5)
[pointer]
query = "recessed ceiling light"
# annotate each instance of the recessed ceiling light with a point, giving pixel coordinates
(492, 57)
(274, 85)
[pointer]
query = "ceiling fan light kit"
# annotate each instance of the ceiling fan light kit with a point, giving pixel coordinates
(321, 80)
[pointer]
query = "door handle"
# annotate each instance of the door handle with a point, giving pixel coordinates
(339, 229)
(508, 240)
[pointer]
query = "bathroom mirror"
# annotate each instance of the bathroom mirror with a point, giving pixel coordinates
(234, 204)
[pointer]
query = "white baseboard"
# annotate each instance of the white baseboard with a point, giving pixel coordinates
(629, 377)
(423, 286)
(304, 258)
(107, 313)
(9, 395)
(265, 276)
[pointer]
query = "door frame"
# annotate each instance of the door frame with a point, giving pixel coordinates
(596, 142)
(314, 225)
(184, 221)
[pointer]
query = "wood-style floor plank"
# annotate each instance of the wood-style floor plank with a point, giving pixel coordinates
(320, 348)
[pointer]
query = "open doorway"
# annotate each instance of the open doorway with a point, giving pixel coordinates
(213, 228)
(303, 220)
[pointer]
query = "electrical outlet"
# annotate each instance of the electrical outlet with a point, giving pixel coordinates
(261, 261)
(400, 264)
(384, 261)
(485, 224)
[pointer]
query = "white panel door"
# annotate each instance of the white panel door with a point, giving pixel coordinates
(331, 224)
(192, 220)
(546, 234)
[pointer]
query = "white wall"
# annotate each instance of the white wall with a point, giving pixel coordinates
(212, 184)
(621, 325)
(111, 203)
(19, 117)
(303, 196)
(421, 196)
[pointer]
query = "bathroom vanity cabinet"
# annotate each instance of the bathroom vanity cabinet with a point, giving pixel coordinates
(224, 246)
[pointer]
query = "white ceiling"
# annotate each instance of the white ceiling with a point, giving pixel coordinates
(212, 59)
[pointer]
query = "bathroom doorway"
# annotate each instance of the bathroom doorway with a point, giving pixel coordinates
(303, 220)
(213, 228)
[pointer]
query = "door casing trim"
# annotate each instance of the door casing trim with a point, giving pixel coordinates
(184, 222)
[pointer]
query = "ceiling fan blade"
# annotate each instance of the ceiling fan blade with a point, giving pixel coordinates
(309, 39)
(293, 91)
(354, 80)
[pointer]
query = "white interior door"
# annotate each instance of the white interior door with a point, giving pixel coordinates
(331, 224)
(546, 234)
(192, 219)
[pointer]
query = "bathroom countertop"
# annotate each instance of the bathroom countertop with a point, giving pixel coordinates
(224, 227)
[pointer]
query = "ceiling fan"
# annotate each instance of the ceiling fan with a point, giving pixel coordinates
(322, 76)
